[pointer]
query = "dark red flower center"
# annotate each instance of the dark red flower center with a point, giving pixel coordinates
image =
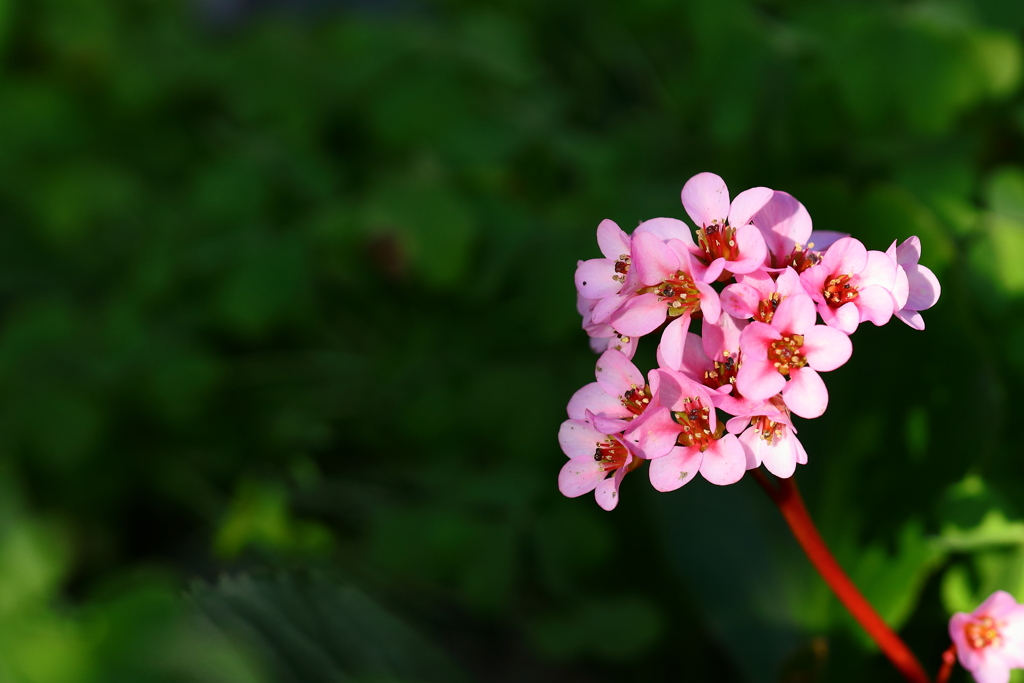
(611, 454)
(801, 258)
(636, 399)
(982, 633)
(718, 241)
(696, 427)
(767, 429)
(724, 372)
(679, 292)
(839, 290)
(785, 353)
(766, 308)
(622, 267)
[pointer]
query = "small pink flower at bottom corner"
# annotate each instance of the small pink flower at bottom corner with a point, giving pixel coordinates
(593, 456)
(990, 640)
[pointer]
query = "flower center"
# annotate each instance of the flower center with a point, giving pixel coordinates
(622, 267)
(767, 429)
(724, 372)
(611, 454)
(679, 292)
(637, 399)
(801, 258)
(766, 308)
(785, 353)
(693, 419)
(718, 241)
(982, 633)
(839, 291)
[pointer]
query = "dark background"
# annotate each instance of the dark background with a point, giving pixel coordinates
(287, 330)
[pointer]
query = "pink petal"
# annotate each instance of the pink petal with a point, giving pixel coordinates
(996, 605)
(710, 272)
(780, 457)
(755, 340)
(725, 461)
(912, 318)
(900, 289)
(653, 260)
(607, 492)
(608, 425)
(709, 302)
(666, 229)
(846, 257)
(653, 434)
(579, 439)
(752, 444)
(909, 252)
(675, 469)
(880, 269)
(991, 668)
(670, 349)
(747, 203)
(759, 380)
(875, 304)
(612, 240)
(795, 315)
(595, 279)
(924, 288)
(625, 345)
(784, 222)
(826, 348)
(706, 199)
(579, 476)
(740, 300)
(607, 307)
(640, 315)
(752, 251)
(813, 281)
(592, 397)
(821, 240)
(789, 284)
(722, 340)
(846, 318)
(616, 374)
(805, 393)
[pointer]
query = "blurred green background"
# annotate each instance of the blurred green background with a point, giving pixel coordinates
(287, 330)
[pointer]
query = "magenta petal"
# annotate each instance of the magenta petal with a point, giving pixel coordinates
(710, 305)
(706, 199)
(747, 203)
(653, 260)
(725, 461)
(579, 439)
(740, 300)
(613, 242)
(759, 380)
(595, 399)
(666, 229)
(616, 374)
(607, 492)
(653, 434)
(640, 315)
(579, 476)
(875, 303)
(805, 393)
(675, 469)
(595, 279)
(923, 286)
(846, 257)
(795, 315)
(826, 348)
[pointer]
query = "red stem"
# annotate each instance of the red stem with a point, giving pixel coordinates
(948, 661)
(787, 498)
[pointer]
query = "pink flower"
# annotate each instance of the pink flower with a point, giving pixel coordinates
(787, 355)
(601, 277)
(683, 436)
(725, 239)
(916, 287)
(620, 393)
(990, 640)
(851, 285)
(757, 296)
(770, 438)
(593, 456)
(602, 335)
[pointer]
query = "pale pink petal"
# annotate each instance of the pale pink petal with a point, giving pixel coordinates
(614, 243)
(710, 305)
(909, 252)
(640, 315)
(579, 439)
(846, 257)
(608, 425)
(821, 240)
(722, 339)
(801, 453)
(795, 315)
(670, 349)
(752, 444)
(805, 393)
(706, 199)
(710, 272)
(625, 345)
(748, 203)
(875, 304)
(759, 379)
(813, 281)
(740, 300)
(780, 457)
(675, 469)
(912, 318)
(991, 668)
(616, 374)
(653, 434)
(752, 251)
(826, 348)
(967, 655)
(667, 229)
(760, 280)
(592, 397)
(755, 339)
(924, 288)
(599, 344)
(900, 289)
(607, 492)
(606, 308)
(653, 260)
(784, 222)
(996, 605)
(667, 386)
(789, 284)
(579, 476)
(846, 318)
(595, 279)
(880, 270)
(725, 461)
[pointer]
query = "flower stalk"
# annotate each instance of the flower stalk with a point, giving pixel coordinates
(787, 497)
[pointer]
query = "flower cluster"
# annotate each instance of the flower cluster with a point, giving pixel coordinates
(990, 640)
(757, 280)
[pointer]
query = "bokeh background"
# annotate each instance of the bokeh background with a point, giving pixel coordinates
(287, 330)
